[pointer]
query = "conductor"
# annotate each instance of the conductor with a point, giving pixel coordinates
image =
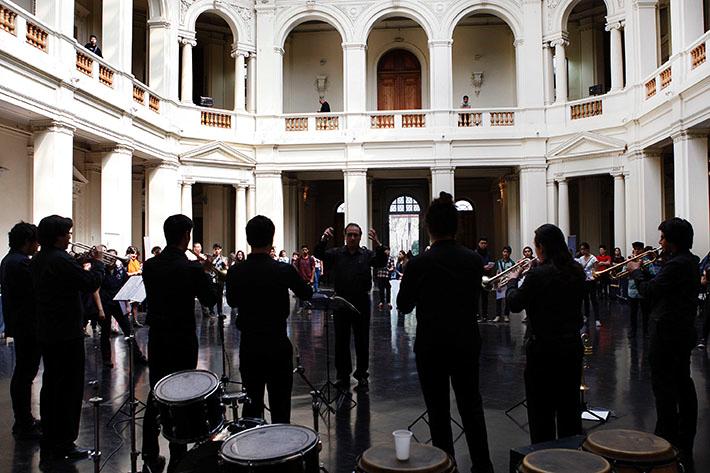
(258, 288)
(171, 284)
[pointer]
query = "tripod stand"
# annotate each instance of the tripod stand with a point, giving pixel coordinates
(317, 398)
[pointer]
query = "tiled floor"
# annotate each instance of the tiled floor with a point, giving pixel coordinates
(617, 374)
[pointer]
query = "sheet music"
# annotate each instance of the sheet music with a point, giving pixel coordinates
(133, 290)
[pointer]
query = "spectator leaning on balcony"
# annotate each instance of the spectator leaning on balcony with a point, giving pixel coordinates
(465, 103)
(93, 46)
(324, 105)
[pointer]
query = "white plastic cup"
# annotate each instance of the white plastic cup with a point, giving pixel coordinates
(402, 442)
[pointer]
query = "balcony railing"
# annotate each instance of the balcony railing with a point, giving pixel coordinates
(216, 119)
(37, 37)
(311, 121)
(650, 88)
(330, 122)
(296, 124)
(84, 64)
(698, 55)
(502, 118)
(586, 109)
(470, 119)
(7, 20)
(138, 94)
(666, 77)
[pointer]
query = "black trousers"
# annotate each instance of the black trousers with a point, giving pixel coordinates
(673, 388)
(553, 374)
(267, 364)
(62, 393)
(168, 352)
(590, 295)
(436, 370)
(385, 289)
(484, 304)
(28, 354)
(219, 290)
(634, 306)
(123, 323)
(345, 323)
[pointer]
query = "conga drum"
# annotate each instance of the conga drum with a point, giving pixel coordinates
(422, 459)
(631, 451)
(562, 460)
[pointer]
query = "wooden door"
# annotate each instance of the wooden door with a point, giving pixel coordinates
(399, 81)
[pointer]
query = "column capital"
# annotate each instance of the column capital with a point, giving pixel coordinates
(518, 42)
(274, 173)
(442, 169)
(645, 3)
(614, 25)
(158, 23)
(184, 40)
(241, 186)
(119, 148)
(540, 167)
(354, 46)
(617, 173)
(559, 42)
(54, 126)
(187, 181)
(237, 51)
(441, 43)
(690, 134)
(167, 164)
(560, 179)
(279, 50)
(355, 172)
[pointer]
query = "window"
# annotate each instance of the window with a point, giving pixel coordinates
(340, 209)
(404, 204)
(464, 206)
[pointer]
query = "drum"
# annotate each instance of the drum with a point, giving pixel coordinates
(422, 459)
(630, 451)
(562, 460)
(189, 405)
(276, 448)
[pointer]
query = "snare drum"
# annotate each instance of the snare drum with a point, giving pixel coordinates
(631, 451)
(422, 459)
(561, 460)
(276, 448)
(189, 405)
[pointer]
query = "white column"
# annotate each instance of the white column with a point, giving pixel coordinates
(690, 161)
(186, 197)
(649, 195)
(137, 202)
(159, 65)
(563, 206)
(530, 84)
(687, 23)
(549, 71)
(442, 179)
(116, 191)
(59, 14)
(533, 200)
(440, 75)
(52, 169)
(646, 58)
(251, 202)
(560, 70)
(619, 210)
(163, 199)
(552, 202)
(617, 58)
(240, 217)
(270, 201)
(512, 196)
(355, 74)
(239, 75)
(186, 85)
(117, 32)
(251, 83)
(355, 181)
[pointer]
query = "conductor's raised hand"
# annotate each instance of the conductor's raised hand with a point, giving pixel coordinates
(328, 233)
(372, 235)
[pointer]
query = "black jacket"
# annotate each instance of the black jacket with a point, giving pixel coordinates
(444, 284)
(552, 299)
(17, 297)
(114, 279)
(351, 273)
(673, 292)
(324, 107)
(258, 288)
(94, 49)
(58, 281)
(171, 284)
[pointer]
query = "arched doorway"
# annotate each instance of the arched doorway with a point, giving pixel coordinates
(399, 81)
(466, 234)
(404, 225)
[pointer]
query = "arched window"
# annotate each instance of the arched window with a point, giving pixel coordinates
(404, 204)
(340, 209)
(464, 206)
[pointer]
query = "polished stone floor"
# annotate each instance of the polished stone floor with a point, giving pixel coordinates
(617, 374)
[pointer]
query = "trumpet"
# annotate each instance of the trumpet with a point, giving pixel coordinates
(82, 251)
(221, 273)
(499, 280)
(647, 258)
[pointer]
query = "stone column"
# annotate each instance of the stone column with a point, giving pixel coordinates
(690, 161)
(617, 57)
(533, 201)
(355, 74)
(251, 82)
(687, 23)
(512, 197)
(117, 33)
(116, 193)
(646, 58)
(549, 72)
(648, 195)
(251, 202)
(160, 65)
(186, 85)
(442, 179)
(239, 75)
(162, 198)
(440, 75)
(186, 197)
(619, 210)
(270, 201)
(355, 181)
(240, 217)
(552, 202)
(560, 70)
(52, 169)
(563, 206)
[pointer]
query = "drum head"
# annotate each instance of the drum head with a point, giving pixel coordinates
(268, 444)
(422, 459)
(629, 445)
(185, 386)
(560, 460)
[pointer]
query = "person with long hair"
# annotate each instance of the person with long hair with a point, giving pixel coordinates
(552, 297)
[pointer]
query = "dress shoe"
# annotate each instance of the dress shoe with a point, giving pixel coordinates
(153, 464)
(31, 431)
(72, 453)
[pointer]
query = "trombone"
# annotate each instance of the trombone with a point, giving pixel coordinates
(221, 273)
(647, 258)
(103, 256)
(499, 280)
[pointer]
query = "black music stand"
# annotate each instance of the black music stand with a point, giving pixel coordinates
(425, 417)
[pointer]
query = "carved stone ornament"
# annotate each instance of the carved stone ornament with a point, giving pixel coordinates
(184, 7)
(476, 82)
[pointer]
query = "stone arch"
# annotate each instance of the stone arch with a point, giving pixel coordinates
(506, 10)
(295, 17)
(374, 60)
(560, 16)
(235, 22)
(381, 11)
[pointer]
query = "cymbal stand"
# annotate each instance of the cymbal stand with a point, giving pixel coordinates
(317, 398)
(583, 387)
(332, 392)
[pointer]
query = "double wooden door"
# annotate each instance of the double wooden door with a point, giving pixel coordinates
(399, 81)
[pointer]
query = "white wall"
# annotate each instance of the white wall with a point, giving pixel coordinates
(488, 49)
(14, 182)
(585, 58)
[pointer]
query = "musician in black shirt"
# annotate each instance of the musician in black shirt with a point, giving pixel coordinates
(673, 296)
(351, 269)
(444, 284)
(58, 281)
(19, 312)
(258, 289)
(551, 295)
(171, 284)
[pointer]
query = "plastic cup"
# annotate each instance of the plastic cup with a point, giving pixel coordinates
(402, 442)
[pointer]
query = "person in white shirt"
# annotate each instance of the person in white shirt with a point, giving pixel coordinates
(589, 264)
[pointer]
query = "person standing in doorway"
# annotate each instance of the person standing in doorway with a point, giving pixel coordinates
(93, 45)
